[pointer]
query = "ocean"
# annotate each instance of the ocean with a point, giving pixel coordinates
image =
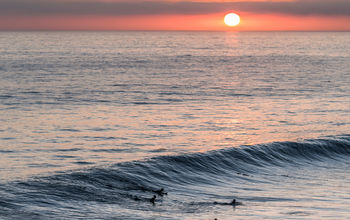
(94, 124)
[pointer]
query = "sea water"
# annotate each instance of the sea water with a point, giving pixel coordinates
(92, 123)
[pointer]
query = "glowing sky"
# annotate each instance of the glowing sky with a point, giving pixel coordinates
(173, 15)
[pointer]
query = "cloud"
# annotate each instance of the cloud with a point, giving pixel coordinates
(300, 7)
(128, 8)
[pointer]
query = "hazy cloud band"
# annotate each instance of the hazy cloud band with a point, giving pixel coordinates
(124, 8)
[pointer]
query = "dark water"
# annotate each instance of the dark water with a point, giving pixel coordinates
(278, 180)
(92, 124)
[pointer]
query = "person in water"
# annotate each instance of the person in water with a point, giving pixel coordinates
(153, 199)
(233, 203)
(160, 192)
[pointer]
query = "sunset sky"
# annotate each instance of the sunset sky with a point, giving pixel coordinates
(256, 15)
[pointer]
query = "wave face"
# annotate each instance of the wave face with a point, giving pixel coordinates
(192, 182)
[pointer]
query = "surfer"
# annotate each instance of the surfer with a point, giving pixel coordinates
(233, 203)
(160, 192)
(153, 199)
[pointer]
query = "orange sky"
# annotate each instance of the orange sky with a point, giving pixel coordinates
(256, 15)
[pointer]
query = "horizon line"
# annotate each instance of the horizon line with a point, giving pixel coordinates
(155, 30)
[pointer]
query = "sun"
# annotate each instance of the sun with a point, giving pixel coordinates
(232, 19)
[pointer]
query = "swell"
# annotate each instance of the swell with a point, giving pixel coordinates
(137, 180)
(243, 160)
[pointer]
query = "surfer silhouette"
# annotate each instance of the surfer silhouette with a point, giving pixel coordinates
(233, 203)
(160, 192)
(153, 199)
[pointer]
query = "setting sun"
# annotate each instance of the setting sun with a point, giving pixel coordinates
(232, 19)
